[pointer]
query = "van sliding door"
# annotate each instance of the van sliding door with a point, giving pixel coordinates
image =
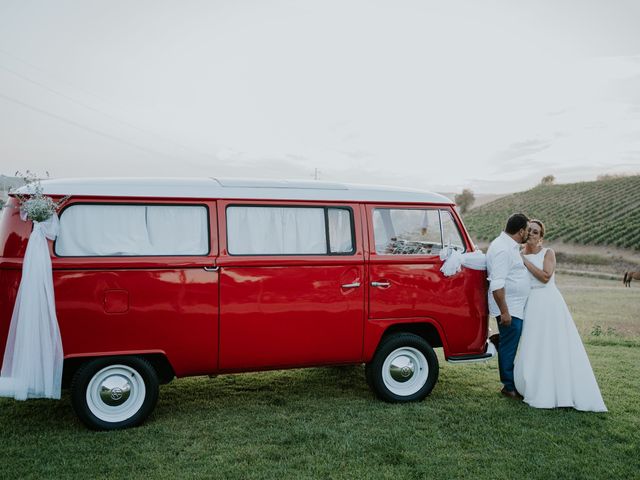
(291, 284)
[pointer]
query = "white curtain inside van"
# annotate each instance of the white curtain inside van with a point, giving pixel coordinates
(340, 235)
(119, 230)
(276, 230)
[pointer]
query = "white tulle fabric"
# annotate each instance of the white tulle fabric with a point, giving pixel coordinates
(551, 367)
(454, 261)
(32, 364)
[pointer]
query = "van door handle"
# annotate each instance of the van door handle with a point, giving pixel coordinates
(351, 285)
(380, 284)
(212, 269)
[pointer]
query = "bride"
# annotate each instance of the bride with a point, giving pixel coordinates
(551, 367)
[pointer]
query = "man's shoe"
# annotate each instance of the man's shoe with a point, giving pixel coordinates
(511, 394)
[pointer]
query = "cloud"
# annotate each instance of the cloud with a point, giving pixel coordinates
(520, 149)
(221, 89)
(519, 159)
(625, 90)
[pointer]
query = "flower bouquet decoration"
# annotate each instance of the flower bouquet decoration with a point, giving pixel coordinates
(34, 204)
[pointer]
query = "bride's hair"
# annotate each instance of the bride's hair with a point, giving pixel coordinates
(533, 220)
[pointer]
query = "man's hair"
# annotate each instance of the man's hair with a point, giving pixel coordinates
(516, 222)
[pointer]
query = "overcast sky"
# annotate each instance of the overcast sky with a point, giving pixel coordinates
(487, 95)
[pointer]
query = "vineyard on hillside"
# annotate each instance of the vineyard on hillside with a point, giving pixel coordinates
(605, 212)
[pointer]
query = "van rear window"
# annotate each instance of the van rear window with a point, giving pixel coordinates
(267, 230)
(90, 230)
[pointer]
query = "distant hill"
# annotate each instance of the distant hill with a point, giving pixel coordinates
(605, 212)
(10, 182)
(481, 198)
(7, 183)
(484, 198)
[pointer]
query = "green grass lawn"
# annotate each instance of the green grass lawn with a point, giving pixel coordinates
(325, 423)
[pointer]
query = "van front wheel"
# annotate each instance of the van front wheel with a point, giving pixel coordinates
(114, 392)
(403, 369)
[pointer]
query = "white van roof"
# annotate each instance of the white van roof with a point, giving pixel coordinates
(230, 188)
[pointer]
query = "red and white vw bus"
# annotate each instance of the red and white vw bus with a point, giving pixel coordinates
(163, 278)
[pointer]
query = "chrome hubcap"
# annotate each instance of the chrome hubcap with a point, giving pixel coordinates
(402, 368)
(116, 393)
(405, 371)
(115, 390)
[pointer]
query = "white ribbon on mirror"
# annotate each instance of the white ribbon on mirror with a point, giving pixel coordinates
(32, 364)
(454, 261)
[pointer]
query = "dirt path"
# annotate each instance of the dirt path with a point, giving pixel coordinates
(632, 256)
(590, 260)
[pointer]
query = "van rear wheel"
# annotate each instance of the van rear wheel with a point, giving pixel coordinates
(403, 369)
(114, 392)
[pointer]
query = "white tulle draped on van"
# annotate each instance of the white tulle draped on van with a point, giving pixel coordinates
(454, 261)
(32, 364)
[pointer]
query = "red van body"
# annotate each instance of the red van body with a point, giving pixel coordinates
(221, 313)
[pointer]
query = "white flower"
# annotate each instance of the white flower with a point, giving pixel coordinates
(37, 206)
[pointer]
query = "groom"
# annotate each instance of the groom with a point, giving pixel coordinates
(508, 291)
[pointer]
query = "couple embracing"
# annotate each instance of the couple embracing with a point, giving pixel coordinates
(540, 354)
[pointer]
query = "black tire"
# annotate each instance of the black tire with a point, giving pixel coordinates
(130, 393)
(414, 372)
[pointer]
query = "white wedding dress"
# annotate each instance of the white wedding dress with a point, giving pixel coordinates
(551, 367)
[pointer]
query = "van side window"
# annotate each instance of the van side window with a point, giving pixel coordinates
(267, 230)
(90, 230)
(407, 231)
(340, 230)
(450, 233)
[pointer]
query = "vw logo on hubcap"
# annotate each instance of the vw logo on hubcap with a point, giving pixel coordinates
(116, 393)
(402, 368)
(115, 390)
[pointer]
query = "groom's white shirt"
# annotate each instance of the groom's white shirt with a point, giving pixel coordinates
(506, 270)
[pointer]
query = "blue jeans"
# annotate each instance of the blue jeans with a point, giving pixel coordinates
(509, 338)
